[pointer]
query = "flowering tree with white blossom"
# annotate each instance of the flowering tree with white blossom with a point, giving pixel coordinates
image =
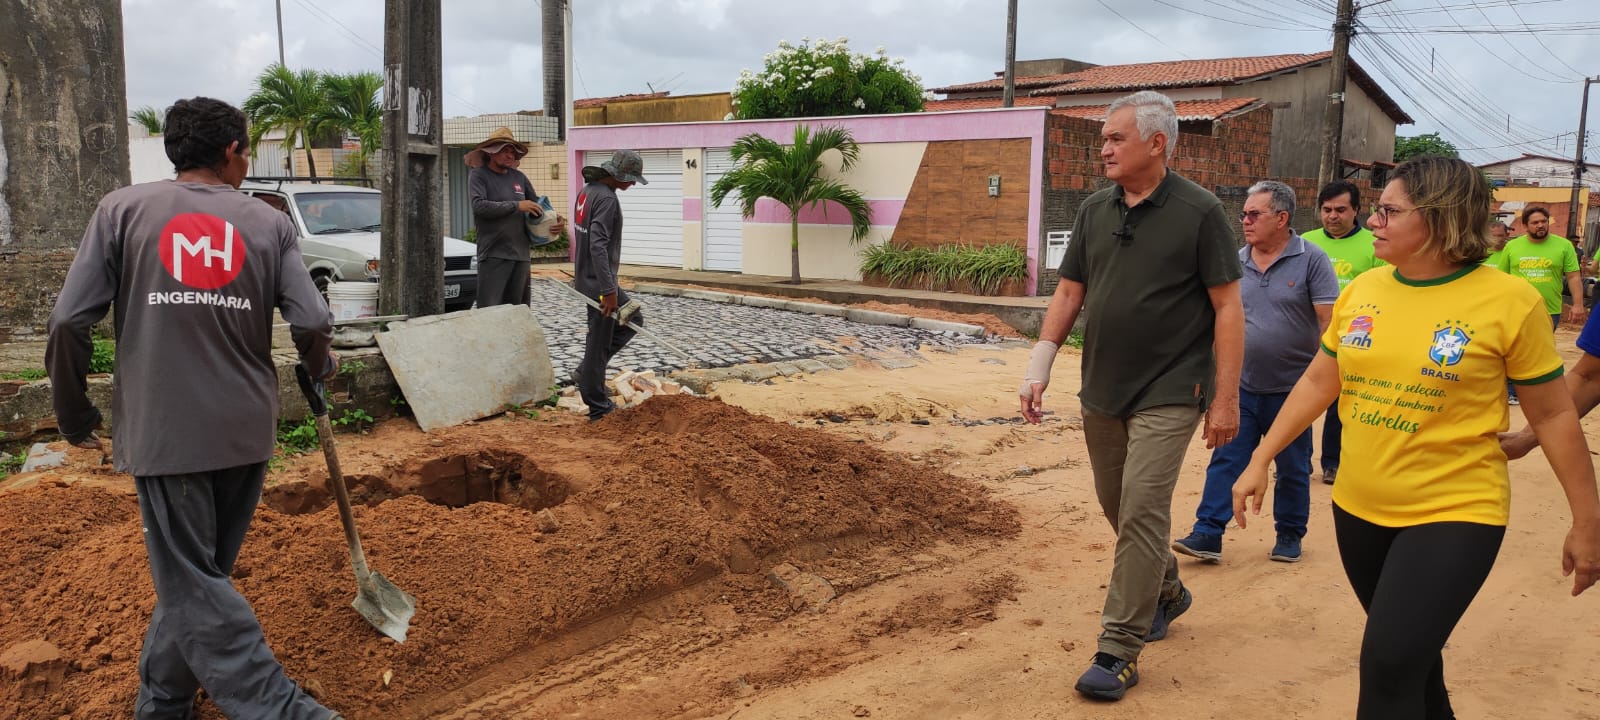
(824, 78)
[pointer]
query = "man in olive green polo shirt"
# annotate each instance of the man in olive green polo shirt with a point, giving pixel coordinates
(1547, 261)
(1349, 246)
(1155, 260)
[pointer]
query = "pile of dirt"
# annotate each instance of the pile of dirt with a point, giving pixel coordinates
(511, 534)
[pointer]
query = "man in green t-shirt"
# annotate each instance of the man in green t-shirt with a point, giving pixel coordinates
(1349, 246)
(1546, 261)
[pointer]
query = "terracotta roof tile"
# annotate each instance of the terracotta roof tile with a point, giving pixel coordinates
(1187, 109)
(1177, 74)
(985, 103)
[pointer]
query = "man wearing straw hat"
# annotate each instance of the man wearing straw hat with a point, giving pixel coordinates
(503, 200)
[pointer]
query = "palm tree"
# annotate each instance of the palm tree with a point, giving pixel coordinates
(351, 108)
(285, 100)
(792, 175)
(149, 118)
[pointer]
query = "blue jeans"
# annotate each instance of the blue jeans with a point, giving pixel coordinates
(1291, 503)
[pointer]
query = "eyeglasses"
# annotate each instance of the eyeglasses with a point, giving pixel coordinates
(1381, 213)
(1251, 216)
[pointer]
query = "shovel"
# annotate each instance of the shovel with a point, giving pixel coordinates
(387, 607)
(688, 360)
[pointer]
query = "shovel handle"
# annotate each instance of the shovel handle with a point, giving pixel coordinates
(312, 389)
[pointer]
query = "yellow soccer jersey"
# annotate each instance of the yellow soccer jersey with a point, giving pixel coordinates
(1423, 367)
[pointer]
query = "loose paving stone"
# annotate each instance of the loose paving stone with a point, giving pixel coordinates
(719, 335)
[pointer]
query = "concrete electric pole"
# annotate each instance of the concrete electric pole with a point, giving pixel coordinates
(553, 37)
(1573, 221)
(1333, 118)
(1009, 97)
(280, 34)
(411, 276)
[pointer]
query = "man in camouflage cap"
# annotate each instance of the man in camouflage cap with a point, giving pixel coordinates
(597, 253)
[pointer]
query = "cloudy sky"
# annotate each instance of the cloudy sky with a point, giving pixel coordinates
(1494, 94)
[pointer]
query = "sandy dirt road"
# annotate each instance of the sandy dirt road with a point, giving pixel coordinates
(1000, 627)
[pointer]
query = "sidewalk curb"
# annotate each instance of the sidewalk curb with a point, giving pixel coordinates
(860, 315)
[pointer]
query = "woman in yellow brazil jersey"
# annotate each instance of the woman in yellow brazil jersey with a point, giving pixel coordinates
(1418, 355)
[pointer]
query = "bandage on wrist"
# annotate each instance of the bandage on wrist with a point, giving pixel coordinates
(1039, 363)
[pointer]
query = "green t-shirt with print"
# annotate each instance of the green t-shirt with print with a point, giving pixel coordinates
(1351, 254)
(1494, 259)
(1543, 264)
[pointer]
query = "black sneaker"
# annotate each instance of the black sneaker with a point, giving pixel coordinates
(1166, 612)
(1108, 677)
(1328, 475)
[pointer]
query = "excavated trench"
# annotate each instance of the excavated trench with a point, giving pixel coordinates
(453, 480)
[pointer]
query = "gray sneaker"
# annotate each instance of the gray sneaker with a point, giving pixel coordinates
(1167, 611)
(1108, 677)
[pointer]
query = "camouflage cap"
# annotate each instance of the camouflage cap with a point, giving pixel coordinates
(626, 166)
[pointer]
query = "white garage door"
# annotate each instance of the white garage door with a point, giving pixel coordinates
(652, 215)
(724, 226)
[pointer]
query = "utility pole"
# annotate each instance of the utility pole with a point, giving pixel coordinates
(1333, 118)
(280, 34)
(554, 40)
(1573, 221)
(411, 272)
(1009, 97)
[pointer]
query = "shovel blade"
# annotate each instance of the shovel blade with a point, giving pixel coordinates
(386, 606)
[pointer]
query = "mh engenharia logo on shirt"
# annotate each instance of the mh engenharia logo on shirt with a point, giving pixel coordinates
(203, 252)
(1359, 334)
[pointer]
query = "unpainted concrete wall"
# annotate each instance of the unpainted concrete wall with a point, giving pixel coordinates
(63, 144)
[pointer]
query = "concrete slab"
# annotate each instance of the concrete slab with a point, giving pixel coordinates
(876, 317)
(814, 308)
(947, 326)
(466, 365)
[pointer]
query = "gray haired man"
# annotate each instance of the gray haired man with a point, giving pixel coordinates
(1155, 258)
(597, 230)
(1289, 288)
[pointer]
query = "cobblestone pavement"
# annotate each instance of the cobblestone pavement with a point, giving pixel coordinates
(722, 334)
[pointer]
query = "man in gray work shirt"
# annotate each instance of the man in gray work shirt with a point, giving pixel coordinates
(503, 200)
(195, 269)
(1289, 288)
(597, 232)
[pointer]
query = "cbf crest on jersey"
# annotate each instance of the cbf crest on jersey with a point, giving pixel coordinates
(1450, 341)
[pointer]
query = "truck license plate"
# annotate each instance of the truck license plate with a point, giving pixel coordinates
(452, 291)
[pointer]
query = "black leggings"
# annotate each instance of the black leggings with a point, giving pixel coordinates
(1415, 583)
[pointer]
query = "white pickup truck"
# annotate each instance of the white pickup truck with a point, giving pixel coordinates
(339, 237)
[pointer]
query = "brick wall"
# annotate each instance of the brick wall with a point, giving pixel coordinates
(1227, 161)
(949, 200)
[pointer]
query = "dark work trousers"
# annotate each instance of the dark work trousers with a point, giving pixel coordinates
(1415, 583)
(203, 632)
(502, 282)
(1332, 427)
(606, 338)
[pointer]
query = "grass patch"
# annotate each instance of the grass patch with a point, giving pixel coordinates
(29, 374)
(984, 269)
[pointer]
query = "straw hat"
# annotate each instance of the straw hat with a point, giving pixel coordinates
(499, 139)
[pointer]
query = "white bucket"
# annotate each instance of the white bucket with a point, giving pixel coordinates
(350, 300)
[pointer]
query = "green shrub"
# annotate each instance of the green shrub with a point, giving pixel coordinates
(984, 268)
(299, 437)
(104, 358)
(825, 79)
(29, 374)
